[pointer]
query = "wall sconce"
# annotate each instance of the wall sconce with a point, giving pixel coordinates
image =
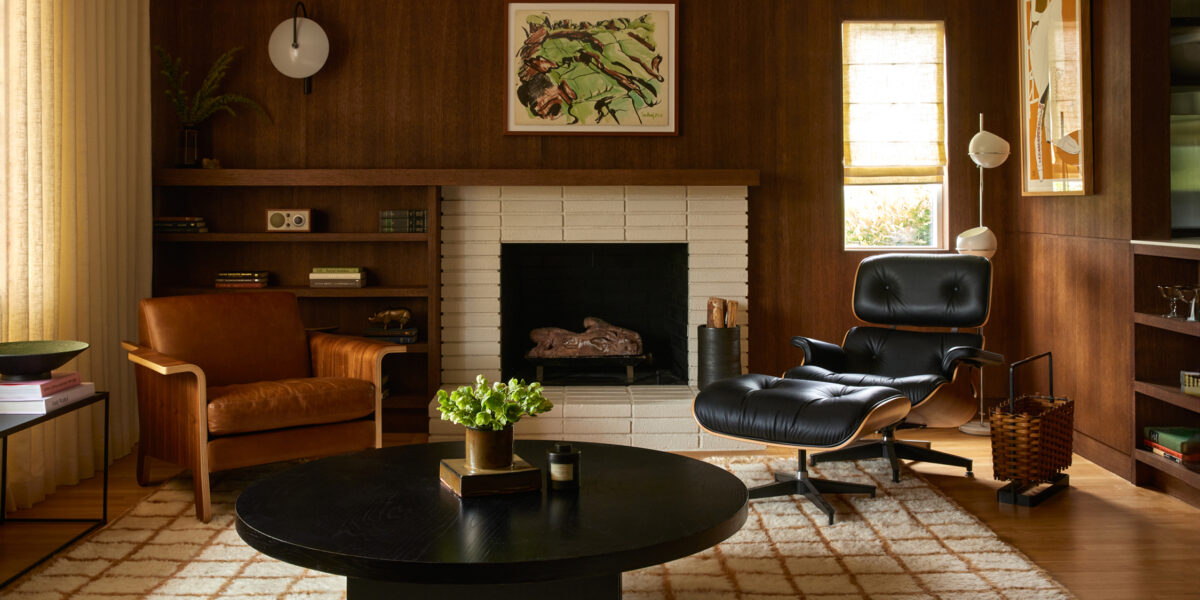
(299, 47)
(987, 150)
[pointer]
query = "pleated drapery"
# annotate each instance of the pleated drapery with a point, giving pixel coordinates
(75, 178)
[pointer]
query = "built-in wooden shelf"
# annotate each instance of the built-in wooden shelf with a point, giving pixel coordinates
(1161, 349)
(1187, 248)
(289, 238)
(374, 291)
(1167, 393)
(1172, 468)
(431, 177)
(1176, 325)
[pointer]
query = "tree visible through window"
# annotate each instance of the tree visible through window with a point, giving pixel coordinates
(893, 134)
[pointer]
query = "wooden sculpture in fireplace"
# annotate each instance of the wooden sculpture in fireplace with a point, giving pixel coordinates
(599, 340)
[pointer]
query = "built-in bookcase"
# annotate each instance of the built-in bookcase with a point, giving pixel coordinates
(1162, 348)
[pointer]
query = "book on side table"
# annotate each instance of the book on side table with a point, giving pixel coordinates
(39, 388)
(46, 404)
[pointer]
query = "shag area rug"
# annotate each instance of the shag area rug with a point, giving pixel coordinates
(910, 542)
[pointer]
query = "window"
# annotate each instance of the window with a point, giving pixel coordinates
(893, 134)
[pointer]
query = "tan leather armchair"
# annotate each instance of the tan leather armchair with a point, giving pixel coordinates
(233, 380)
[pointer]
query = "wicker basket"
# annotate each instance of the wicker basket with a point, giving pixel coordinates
(1031, 440)
(1031, 436)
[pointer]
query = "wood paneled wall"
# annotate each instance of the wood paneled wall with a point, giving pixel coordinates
(1073, 280)
(419, 84)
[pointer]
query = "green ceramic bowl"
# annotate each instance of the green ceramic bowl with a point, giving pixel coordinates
(29, 361)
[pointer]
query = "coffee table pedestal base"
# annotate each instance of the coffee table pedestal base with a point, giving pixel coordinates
(602, 587)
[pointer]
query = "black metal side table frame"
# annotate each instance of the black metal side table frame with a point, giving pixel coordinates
(10, 424)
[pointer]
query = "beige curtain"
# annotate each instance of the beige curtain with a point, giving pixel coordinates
(75, 175)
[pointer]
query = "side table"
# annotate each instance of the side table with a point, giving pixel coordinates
(10, 424)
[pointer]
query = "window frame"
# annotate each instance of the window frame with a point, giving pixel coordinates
(940, 217)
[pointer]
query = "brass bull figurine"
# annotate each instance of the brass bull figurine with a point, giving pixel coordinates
(399, 315)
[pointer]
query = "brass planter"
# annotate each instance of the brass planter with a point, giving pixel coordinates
(489, 449)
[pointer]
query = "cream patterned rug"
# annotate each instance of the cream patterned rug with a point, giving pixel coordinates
(910, 542)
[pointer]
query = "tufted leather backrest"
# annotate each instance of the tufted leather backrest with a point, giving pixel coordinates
(924, 290)
(235, 338)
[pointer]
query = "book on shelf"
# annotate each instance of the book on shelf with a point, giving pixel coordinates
(242, 279)
(168, 219)
(335, 276)
(1184, 440)
(402, 213)
(338, 269)
(181, 230)
(1167, 452)
(395, 339)
(386, 332)
(260, 274)
(335, 283)
(240, 284)
(402, 221)
(1194, 466)
(39, 388)
(407, 335)
(44, 405)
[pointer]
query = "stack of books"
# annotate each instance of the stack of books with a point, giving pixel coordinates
(395, 335)
(43, 395)
(402, 221)
(243, 279)
(337, 277)
(1176, 444)
(180, 225)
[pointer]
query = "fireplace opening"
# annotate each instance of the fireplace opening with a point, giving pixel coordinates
(640, 288)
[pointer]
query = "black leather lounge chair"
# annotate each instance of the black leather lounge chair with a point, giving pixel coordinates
(946, 291)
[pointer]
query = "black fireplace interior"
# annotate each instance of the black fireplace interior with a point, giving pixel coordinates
(642, 287)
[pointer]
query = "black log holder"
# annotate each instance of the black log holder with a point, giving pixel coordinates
(720, 354)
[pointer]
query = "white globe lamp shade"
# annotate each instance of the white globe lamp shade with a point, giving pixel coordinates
(309, 53)
(988, 150)
(979, 241)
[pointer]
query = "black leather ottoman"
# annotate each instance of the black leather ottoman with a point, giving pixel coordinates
(807, 415)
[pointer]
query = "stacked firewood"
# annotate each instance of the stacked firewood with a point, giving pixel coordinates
(722, 313)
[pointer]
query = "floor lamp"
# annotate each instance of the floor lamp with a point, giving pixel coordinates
(987, 150)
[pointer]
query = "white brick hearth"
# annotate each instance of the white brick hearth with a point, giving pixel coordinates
(476, 220)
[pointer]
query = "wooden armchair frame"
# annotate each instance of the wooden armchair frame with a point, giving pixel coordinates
(173, 413)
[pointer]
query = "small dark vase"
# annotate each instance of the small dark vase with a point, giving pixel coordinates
(189, 147)
(490, 449)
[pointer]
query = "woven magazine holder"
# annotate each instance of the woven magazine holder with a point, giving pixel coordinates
(1032, 440)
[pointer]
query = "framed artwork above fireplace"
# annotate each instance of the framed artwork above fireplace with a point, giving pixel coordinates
(591, 68)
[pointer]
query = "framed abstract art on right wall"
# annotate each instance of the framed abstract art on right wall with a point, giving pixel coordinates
(1056, 97)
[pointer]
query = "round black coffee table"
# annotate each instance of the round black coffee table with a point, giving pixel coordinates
(383, 519)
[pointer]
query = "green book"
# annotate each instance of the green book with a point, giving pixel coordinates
(337, 270)
(1184, 440)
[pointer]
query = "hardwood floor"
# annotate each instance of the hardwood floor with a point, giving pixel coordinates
(1103, 539)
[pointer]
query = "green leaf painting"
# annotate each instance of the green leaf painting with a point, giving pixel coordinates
(592, 68)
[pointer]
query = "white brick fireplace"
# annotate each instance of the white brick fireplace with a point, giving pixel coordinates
(476, 220)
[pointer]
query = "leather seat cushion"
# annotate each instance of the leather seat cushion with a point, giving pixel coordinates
(916, 387)
(266, 405)
(787, 411)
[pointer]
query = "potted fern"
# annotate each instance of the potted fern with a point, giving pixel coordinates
(488, 411)
(205, 102)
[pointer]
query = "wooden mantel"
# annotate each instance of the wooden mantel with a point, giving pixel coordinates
(423, 177)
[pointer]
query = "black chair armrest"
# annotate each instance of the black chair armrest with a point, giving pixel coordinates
(976, 357)
(821, 354)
